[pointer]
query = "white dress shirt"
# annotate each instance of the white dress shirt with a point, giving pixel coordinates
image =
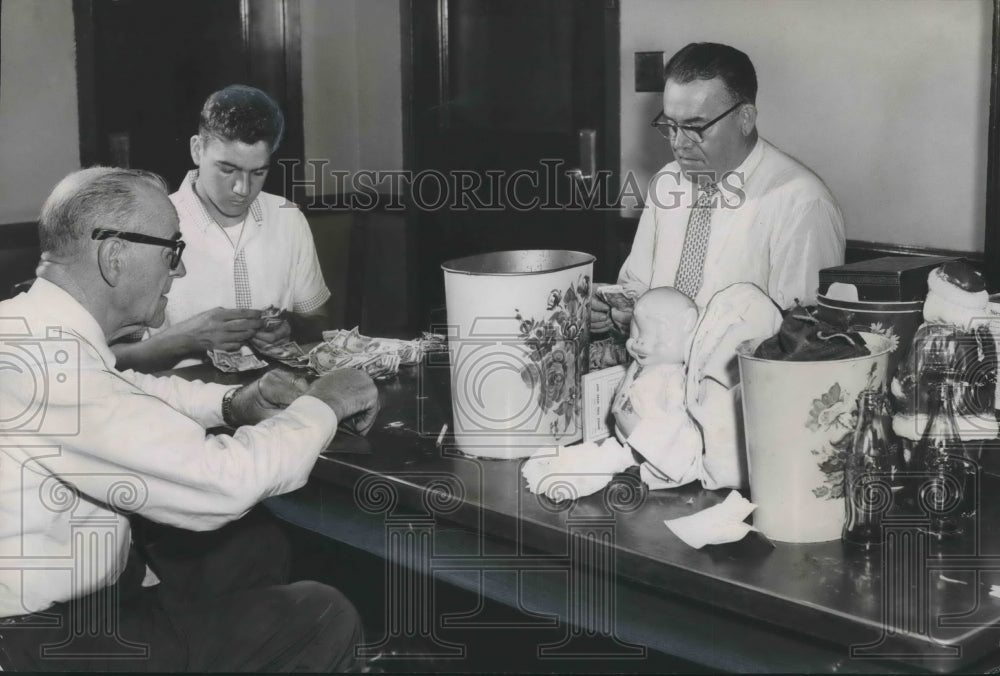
(82, 443)
(776, 226)
(276, 244)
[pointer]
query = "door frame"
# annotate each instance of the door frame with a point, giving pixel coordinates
(991, 246)
(269, 28)
(420, 90)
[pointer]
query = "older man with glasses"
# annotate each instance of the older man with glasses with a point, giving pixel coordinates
(84, 447)
(731, 207)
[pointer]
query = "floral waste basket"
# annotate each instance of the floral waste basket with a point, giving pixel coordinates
(517, 340)
(799, 419)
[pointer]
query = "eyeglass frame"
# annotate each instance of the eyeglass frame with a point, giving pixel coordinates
(176, 246)
(699, 129)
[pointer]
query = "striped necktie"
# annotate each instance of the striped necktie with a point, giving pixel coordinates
(692, 265)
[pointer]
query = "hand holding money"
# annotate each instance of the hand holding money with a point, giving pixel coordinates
(275, 329)
(220, 328)
(351, 394)
(611, 308)
(267, 395)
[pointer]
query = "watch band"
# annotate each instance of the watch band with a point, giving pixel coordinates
(227, 407)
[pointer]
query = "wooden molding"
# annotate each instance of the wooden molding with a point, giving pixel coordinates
(991, 254)
(19, 235)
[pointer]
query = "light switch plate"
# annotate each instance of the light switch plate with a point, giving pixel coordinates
(649, 72)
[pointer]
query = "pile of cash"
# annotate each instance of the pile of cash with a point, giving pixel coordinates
(379, 357)
(380, 366)
(617, 296)
(432, 342)
(288, 353)
(607, 352)
(233, 362)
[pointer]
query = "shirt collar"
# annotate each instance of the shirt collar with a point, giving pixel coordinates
(752, 160)
(74, 321)
(204, 220)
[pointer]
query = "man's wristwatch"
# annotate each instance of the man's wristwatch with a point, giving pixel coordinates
(227, 407)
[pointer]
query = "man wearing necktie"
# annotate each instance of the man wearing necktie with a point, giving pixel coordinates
(731, 207)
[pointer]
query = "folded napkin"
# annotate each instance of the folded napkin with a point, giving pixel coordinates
(570, 472)
(715, 525)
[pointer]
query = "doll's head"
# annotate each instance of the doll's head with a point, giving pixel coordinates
(663, 322)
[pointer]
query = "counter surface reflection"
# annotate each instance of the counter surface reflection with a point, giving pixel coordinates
(908, 604)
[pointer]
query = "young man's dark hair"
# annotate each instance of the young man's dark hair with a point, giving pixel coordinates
(710, 60)
(242, 113)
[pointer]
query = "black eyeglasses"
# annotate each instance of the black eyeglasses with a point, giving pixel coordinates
(696, 133)
(176, 246)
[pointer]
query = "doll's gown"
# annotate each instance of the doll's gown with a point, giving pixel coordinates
(688, 418)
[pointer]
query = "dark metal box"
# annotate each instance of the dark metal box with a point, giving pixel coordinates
(891, 278)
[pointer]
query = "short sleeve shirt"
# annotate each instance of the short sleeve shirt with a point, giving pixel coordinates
(273, 262)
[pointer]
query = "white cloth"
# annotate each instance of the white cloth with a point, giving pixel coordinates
(715, 525)
(948, 304)
(276, 246)
(650, 402)
(776, 228)
(735, 314)
(571, 472)
(127, 442)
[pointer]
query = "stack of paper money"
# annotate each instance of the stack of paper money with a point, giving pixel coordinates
(271, 316)
(410, 352)
(607, 352)
(233, 362)
(432, 342)
(617, 296)
(288, 353)
(326, 357)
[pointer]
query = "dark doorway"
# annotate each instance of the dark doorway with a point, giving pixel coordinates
(503, 96)
(146, 66)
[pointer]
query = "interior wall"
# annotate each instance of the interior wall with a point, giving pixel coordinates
(351, 93)
(351, 86)
(39, 134)
(887, 100)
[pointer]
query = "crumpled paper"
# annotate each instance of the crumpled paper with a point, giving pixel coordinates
(716, 525)
(571, 472)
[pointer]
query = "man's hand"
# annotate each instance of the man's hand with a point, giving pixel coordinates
(351, 394)
(267, 395)
(621, 321)
(274, 334)
(600, 314)
(604, 318)
(219, 329)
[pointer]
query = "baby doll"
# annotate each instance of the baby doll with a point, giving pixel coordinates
(679, 406)
(649, 408)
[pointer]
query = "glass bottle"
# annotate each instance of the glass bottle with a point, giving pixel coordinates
(945, 476)
(869, 470)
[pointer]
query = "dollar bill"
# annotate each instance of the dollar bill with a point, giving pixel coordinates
(271, 316)
(234, 362)
(607, 352)
(617, 296)
(410, 352)
(326, 357)
(288, 352)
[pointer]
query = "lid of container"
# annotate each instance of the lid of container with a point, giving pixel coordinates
(887, 266)
(906, 306)
(518, 262)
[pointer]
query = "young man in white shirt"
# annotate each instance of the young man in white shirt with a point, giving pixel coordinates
(247, 249)
(84, 446)
(771, 220)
